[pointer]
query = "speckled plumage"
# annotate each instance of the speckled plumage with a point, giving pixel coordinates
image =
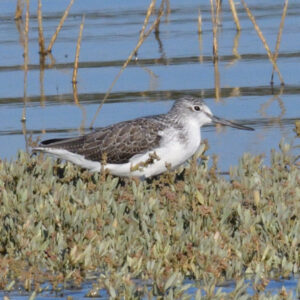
(127, 147)
(118, 142)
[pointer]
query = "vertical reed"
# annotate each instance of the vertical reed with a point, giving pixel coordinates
(62, 20)
(160, 12)
(235, 15)
(214, 25)
(267, 104)
(199, 22)
(218, 11)
(75, 70)
(42, 73)
(74, 77)
(42, 52)
(19, 10)
(261, 36)
(143, 36)
(168, 10)
(217, 81)
(215, 48)
(200, 36)
(236, 55)
(40, 28)
(26, 30)
(19, 25)
(279, 36)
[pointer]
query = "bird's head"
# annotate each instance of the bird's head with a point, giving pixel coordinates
(194, 108)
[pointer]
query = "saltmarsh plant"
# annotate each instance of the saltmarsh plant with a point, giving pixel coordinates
(144, 238)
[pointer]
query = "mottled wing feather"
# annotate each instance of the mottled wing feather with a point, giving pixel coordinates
(118, 142)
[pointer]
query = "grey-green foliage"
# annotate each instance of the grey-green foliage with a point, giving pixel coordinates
(60, 223)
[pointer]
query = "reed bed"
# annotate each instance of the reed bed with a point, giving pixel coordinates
(63, 225)
(199, 22)
(74, 78)
(261, 36)
(59, 26)
(234, 15)
(215, 11)
(40, 28)
(143, 36)
(26, 60)
(200, 37)
(144, 238)
(75, 69)
(215, 29)
(19, 10)
(279, 36)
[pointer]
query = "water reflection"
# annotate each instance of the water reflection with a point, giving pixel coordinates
(161, 73)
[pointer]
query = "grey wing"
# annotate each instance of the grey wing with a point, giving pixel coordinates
(117, 143)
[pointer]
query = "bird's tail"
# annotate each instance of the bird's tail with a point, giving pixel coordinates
(68, 149)
(69, 144)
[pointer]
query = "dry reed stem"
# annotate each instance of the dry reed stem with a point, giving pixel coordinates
(200, 36)
(146, 21)
(236, 44)
(200, 47)
(168, 10)
(160, 12)
(19, 25)
(40, 24)
(199, 22)
(235, 92)
(19, 10)
(214, 24)
(62, 20)
(82, 108)
(217, 80)
(26, 30)
(163, 57)
(133, 52)
(218, 10)
(24, 132)
(266, 105)
(279, 36)
(215, 49)
(52, 60)
(75, 93)
(236, 55)
(42, 73)
(261, 36)
(235, 15)
(75, 70)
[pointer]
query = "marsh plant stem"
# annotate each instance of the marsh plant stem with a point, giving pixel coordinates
(279, 36)
(142, 38)
(75, 70)
(40, 24)
(261, 36)
(235, 15)
(26, 30)
(58, 28)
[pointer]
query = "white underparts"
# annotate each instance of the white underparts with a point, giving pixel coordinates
(171, 153)
(74, 158)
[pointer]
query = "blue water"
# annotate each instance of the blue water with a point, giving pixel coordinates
(273, 288)
(180, 65)
(161, 74)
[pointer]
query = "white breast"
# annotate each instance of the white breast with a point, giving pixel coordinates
(172, 152)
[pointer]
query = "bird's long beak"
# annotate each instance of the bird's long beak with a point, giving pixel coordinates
(229, 123)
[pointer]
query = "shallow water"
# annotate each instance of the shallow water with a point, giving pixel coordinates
(169, 66)
(273, 288)
(175, 63)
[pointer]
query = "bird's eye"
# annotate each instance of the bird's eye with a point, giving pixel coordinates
(197, 108)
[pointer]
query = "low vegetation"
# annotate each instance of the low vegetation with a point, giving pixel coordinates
(138, 238)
